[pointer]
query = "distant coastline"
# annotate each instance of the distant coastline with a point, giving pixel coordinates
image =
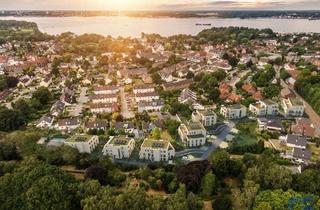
(242, 14)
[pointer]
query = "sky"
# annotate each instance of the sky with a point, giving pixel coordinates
(158, 4)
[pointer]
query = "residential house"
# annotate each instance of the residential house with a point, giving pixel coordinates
(143, 89)
(69, 124)
(299, 155)
(97, 124)
(236, 111)
(127, 127)
(106, 90)
(304, 127)
(270, 125)
(57, 108)
(104, 98)
(192, 134)
(46, 81)
(45, 121)
(119, 147)
(84, 143)
(294, 141)
(156, 150)
(149, 97)
(104, 107)
(153, 106)
(177, 85)
(264, 108)
(293, 107)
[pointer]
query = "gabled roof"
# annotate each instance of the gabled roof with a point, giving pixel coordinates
(296, 140)
(301, 154)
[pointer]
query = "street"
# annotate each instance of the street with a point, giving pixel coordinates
(124, 105)
(81, 100)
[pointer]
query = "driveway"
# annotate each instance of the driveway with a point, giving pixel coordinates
(124, 105)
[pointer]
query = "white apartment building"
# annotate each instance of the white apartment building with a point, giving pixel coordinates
(143, 89)
(232, 112)
(206, 117)
(84, 143)
(192, 134)
(293, 107)
(119, 147)
(147, 97)
(106, 90)
(104, 98)
(156, 150)
(264, 107)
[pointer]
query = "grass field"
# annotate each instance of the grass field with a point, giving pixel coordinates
(247, 134)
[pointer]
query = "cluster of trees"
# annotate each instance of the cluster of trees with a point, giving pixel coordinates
(262, 79)
(20, 31)
(238, 35)
(308, 87)
(37, 181)
(24, 110)
(207, 84)
(7, 82)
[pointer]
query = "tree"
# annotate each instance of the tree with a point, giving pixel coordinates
(10, 119)
(48, 191)
(222, 202)
(172, 127)
(156, 78)
(97, 173)
(156, 133)
(178, 200)
(284, 74)
(190, 75)
(279, 199)
(244, 199)
(70, 155)
(8, 151)
(43, 95)
(220, 162)
(23, 107)
(271, 91)
(35, 184)
(208, 185)
(191, 174)
(308, 181)
(214, 94)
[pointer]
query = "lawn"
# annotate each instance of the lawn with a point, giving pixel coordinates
(315, 150)
(245, 139)
(247, 134)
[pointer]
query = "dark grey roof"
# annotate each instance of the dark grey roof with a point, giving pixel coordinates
(46, 118)
(124, 125)
(302, 154)
(96, 124)
(275, 123)
(58, 106)
(297, 140)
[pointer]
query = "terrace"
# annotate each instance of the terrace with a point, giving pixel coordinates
(79, 138)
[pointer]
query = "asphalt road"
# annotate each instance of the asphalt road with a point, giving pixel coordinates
(124, 105)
